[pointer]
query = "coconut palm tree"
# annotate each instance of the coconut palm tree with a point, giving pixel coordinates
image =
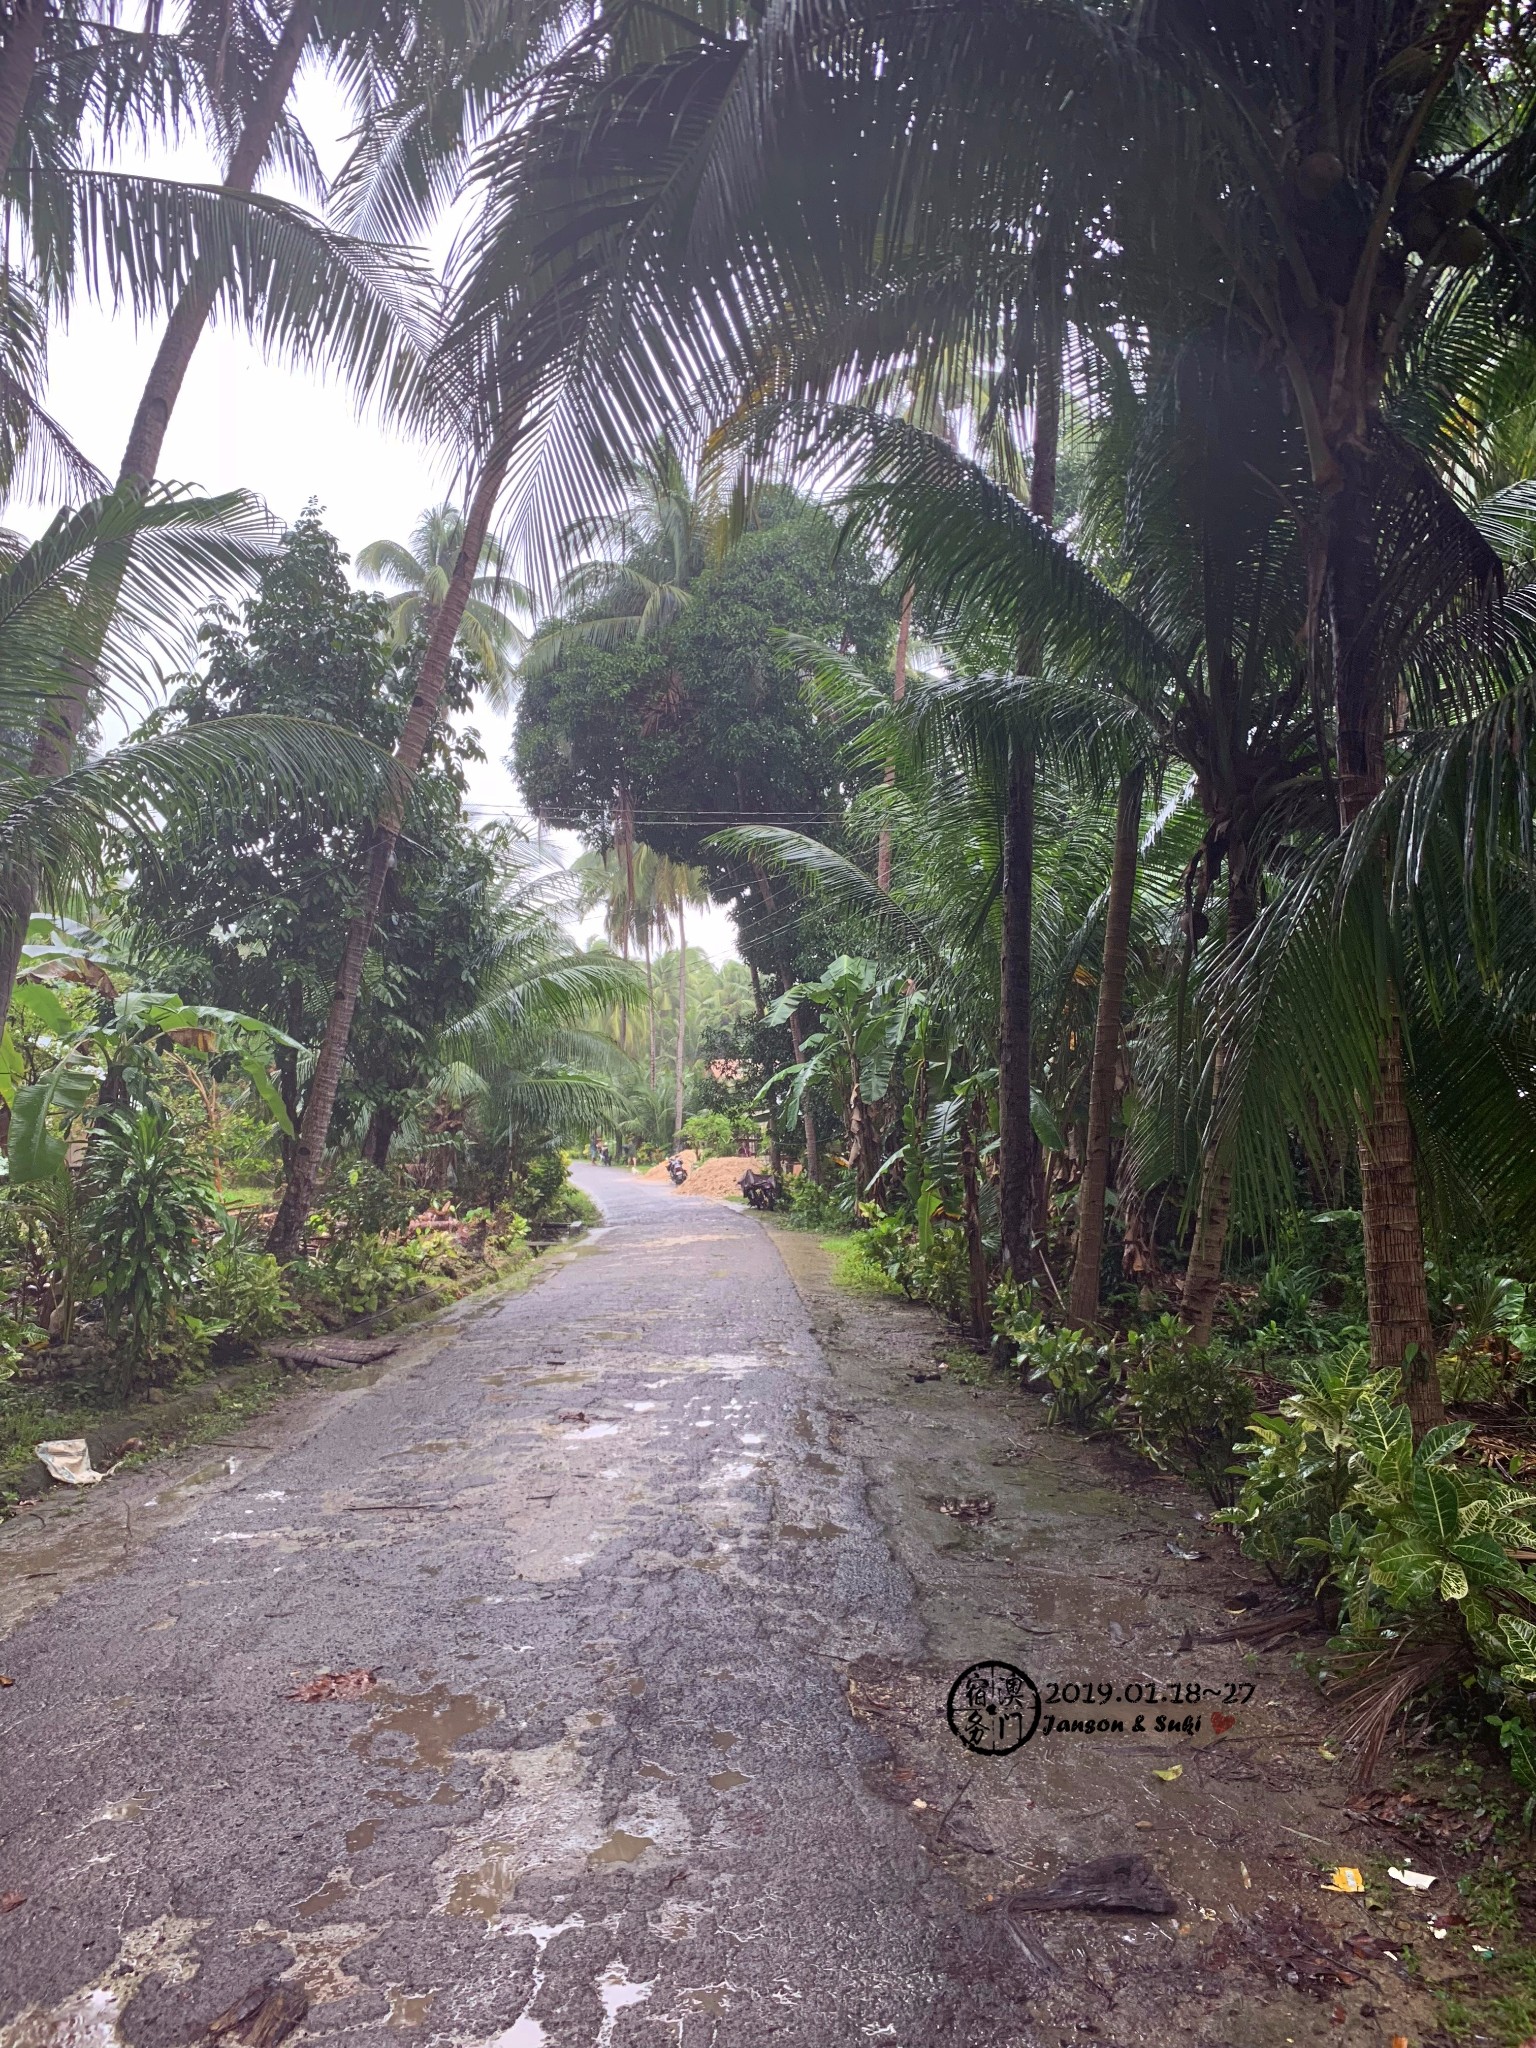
(632, 567)
(678, 886)
(1307, 186)
(418, 573)
(156, 244)
(169, 550)
(635, 894)
(526, 1060)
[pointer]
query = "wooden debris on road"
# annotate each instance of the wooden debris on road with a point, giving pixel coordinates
(343, 1352)
(263, 2016)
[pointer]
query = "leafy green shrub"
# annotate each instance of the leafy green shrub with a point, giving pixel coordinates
(710, 1133)
(242, 1289)
(931, 1265)
(17, 1338)
(1082, 1378)
(364, 1200)
(357, 1277)
(573, 1207)
(506, 1228)
(810, 1206)
(1421, 1555)
(150, 1205)
(1288, 1296)
(538, 1187)
(1417, 1550)
(1296, 1465)
(1190, 1407)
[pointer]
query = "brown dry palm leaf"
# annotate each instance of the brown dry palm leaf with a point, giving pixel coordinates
(1379, 1683)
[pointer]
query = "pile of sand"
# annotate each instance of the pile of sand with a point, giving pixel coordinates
(715, 1177)
(718, 1176)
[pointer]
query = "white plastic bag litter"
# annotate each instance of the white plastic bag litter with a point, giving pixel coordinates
(69, 1458)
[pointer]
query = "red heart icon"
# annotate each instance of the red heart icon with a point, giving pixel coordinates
(1221, 1722)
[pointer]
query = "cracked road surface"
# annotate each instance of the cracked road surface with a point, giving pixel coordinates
(599, 1546)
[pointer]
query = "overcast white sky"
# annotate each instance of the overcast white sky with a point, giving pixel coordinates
(245, 421)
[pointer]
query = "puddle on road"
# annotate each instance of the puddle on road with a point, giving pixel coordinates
(710, 1998)
(558, 1379)
(817, 1463)
(337, 1887)
(433, 1723)
(483, 1888)
(655, 1771)
(361, 1837)
(525, 2031)
(724, 1738)
(799, 1532)
(622, 1847)
(408, 2008)
(727, 1781)
(804, 1428)
(203, 1476)
(124, 1809)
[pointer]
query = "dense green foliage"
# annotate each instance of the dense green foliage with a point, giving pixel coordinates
(703, 723)
(254, 914)
(1033, 508)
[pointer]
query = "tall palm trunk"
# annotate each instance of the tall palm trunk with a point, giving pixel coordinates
(1397, 1292)
(627, 831)
(898, 692)
(1018, 1144)
(1213, 1212)
(650, 1006)
(379, 1136)
(1084, 1301)
(1018, 1149)
(682, 1020)
(975, 1245)
(65, 719)
(309, 1154)
(807, 1115)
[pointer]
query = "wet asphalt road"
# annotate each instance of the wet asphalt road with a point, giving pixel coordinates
(609, 1573)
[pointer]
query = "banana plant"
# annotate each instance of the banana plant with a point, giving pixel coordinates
(865, 1017)
(121, 1058)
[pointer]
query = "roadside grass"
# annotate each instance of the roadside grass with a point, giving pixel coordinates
(852, 1270)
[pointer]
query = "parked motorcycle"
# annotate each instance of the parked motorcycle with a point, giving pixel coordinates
(676, 1171)
(761, 1189)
